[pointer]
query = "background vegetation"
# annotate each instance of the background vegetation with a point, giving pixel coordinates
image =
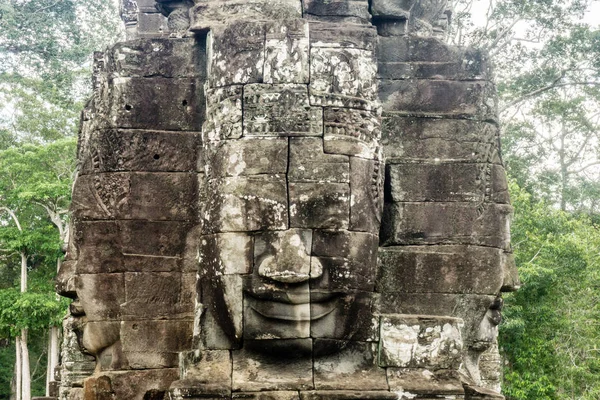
(547, 58)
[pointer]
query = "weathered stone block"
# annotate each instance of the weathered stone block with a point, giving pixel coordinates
(134, 385)
(280, 110)
(284, 256)
(247, 203)
(248, 156)
(152, 24)
(348, 395)
(366, 194)
(101, 295)
(133, 150)
(263, 320)
(353, 368)
(154, 295)
(211, 14)
(440, 269)
(278, 395)
(346, 258)
(168, 58)
(446, 182)
(64, 282)
(338, 8)
(423, 382)
(343, 77)
(153, 238)
(345, 35)
(157, 103)
(351, 132)
(236, 54)
(259, 372)
(479, 393)
(309, 163)
(468, 307)
(221, 323)
(350, 316)
(408, 139)
(226, 253)
(223, 113)
(472, 100)
(387, 9)
(319, 205)
(286, 52)
(419, 341)
(205, 367)
(150, 196)
(155, 344)
(446, 223)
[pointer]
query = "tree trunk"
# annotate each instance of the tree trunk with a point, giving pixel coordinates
(52, 357)
(26, 386)
(18, 371)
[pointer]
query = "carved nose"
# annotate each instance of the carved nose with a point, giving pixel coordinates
(290, 260)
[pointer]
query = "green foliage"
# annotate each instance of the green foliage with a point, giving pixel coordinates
(550, 336)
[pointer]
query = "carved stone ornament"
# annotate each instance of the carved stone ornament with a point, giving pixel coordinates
(287, 200)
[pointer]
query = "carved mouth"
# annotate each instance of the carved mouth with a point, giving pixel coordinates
(298, 312)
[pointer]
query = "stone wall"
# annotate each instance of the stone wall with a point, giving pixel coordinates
(287, 200)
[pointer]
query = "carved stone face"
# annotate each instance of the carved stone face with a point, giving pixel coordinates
(288, 255)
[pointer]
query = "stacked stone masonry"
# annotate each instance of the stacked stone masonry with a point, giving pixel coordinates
(287, 200)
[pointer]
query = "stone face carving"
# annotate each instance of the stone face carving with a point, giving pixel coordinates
(287, 200)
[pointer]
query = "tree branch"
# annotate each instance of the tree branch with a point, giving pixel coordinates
(13, 216)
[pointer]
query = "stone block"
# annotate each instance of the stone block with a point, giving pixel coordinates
(168, 58)
(353, 368)
(351, 132)
(366, 194)
(152, 24)
(247, 156)
(468, 99)
(408, 139)
(140, 195)
(348, 395)
(286, 52)
(146, 384)
(349, 316)
(223, 113)
(133, 150)
(153, 238)
(440, 269)
(386, 9)
(280, 110)
(101, 295)
(343, 77)
(221, 324)
(236, 54)
(319, 205)
(418, 341)
(424, 382)
(468, 307)
(98, 245)
(346, 258)
(345, 36)
(206, 367)
(278, 395)
(155, 344)
(157, 103)
(446, 182)
(226, 253)
(338, 8)
(446, 223)
(154, 295)
(212, 14)
(247, 203)
(309, 163)
(262, 372)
